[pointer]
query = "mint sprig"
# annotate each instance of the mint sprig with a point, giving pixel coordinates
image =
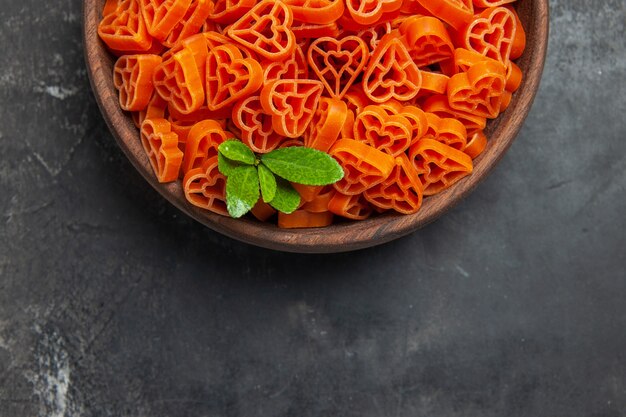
(250, 176)
(225, 165)
(237, 151)
(267, 181)
(287, 198)
(303, 166)
(242, 190)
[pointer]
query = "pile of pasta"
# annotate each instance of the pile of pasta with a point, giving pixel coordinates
(397, 91)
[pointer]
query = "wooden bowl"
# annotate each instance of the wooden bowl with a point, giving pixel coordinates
(344, 236)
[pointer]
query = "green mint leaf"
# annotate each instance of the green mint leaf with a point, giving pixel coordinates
(305, 166)
(237, 151)
(226, 165)
(242, 190)
(267, 182)
(286, 199)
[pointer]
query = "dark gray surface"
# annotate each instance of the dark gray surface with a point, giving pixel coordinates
(113, 304)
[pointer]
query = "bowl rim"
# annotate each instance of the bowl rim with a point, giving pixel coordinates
(342, 236)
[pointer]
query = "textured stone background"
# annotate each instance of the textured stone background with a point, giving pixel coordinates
(113, 304)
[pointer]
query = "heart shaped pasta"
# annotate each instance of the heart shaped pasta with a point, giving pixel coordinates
(391, 72)
(448, 131)
(428, 40)
(294, 67)
(338, 63)
(401, 191)
(440, 106)
(292, 104)
(161, 146)
(266, 30)
(132, 77)
(230, 76)
(492, 34)
(161, 16)
(354, 207)
(256, 126)
(177, 80)
(438, 165)
(480, 90)
(123, 27)
(363, 165)
(417, 119)
(389, 133)
(197, 45)
(326, 124)
(191, 22)
(205, 187)
(202, 142)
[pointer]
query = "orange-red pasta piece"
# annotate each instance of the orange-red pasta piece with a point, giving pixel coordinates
(205, 187)
(438, 165)
(401, 191)
(161, 146)
(123, 27)
(132, 77)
